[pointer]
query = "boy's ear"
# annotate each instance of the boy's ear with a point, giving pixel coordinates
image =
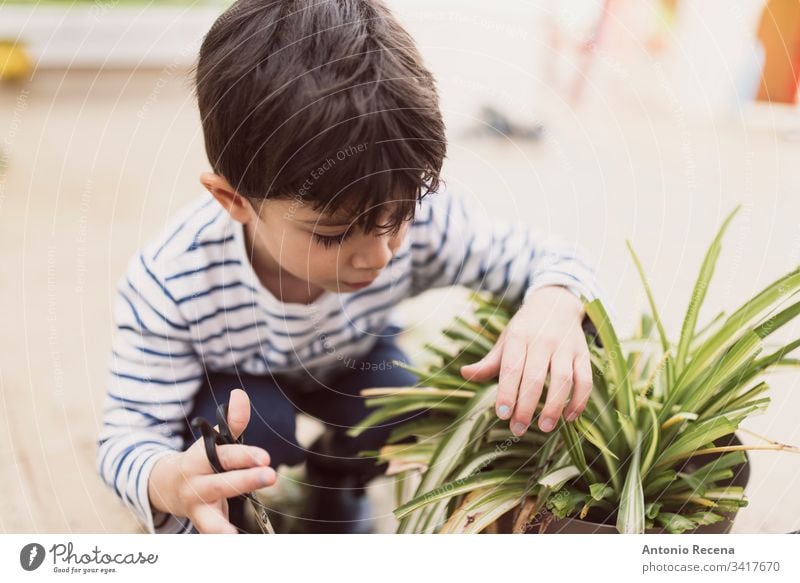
(237, 206)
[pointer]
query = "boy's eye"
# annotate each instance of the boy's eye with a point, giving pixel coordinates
(330, 240)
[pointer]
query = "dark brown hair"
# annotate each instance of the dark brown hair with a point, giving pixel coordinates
(327, 102)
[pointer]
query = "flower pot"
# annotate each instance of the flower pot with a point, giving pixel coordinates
(600, 522)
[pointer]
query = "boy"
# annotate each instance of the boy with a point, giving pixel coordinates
(273, 292)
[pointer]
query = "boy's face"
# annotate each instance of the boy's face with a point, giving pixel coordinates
(289, 237)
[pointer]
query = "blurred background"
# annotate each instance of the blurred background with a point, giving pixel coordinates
(598, 120)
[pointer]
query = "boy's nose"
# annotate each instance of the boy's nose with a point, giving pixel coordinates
(373, 254)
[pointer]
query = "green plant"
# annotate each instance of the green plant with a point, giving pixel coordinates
(654, 405)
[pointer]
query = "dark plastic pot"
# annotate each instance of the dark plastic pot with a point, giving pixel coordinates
(598, 523)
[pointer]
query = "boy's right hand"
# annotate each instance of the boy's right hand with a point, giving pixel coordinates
(185, 484)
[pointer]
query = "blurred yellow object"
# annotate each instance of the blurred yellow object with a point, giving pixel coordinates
(14, 61)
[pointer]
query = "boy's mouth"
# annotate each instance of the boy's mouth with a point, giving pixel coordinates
(358, 285)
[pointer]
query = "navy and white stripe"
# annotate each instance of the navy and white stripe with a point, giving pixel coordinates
(190, 301)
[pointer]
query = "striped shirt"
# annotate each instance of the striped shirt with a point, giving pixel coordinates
(190, 301)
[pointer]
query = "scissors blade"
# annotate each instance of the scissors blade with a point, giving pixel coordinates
(262, 518)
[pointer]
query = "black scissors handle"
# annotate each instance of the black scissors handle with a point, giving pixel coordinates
(211, 439)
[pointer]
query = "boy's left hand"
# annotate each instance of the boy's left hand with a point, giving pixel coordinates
(545, 333)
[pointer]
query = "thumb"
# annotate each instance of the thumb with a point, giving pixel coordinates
(238, 412)
(487, 367)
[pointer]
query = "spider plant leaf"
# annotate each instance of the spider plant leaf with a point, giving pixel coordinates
(787, 363)
(424, 429)
(765, 362)
(729, 400)
(437, 378)
(652, 509)
(557, 478)
(475, 463)
(677, 418)
(654, 310)
(705, 332)
(487, 456)
(675, 523)
(600, 491)
(477, 329)
(727, 493)
(480, 510)
(460, 486)
(449, 452)
(705, 518)
(565, 502)
(742, 318)
(474, 341)
(593, 436)
(492, 507)
(694, 438)
(699, 294)
(435, 403)
(746, 398)
(415, 391)
(777, 321)
(416, 453)
(652, 448)
(691, 482)
(575, 449)
(628, 429)
(459, 520)
(659, 482)
(611, 346)
(732, 365)
(631, 516)
(392, 411)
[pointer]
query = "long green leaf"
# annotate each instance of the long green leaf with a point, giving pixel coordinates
(742, 318)
(652, 449)
(460, 486)
(450, 450)
(659, 325)
(608, 336)
(699, 294)
(631, 516)
(695, 438)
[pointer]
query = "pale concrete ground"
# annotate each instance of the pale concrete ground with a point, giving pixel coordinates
(97, 162)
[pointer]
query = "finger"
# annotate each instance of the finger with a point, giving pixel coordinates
(234, 483)
(208, 520)
(238, 412)
(487, 367)
(582, 389)
(239, 457)
(238, 418)
(513, 362)
(557, 390)
(530, 390)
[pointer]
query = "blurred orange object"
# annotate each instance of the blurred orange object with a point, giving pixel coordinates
(14, 62)
(779, 33)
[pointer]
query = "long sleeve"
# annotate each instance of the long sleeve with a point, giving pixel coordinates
(153, 377)
(456, 243)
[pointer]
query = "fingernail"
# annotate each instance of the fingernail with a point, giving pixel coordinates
(519, 428)
(266, 476)
(547, 424)
(503, 411)
(572, 417)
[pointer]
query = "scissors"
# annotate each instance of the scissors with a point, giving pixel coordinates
(212, 438)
